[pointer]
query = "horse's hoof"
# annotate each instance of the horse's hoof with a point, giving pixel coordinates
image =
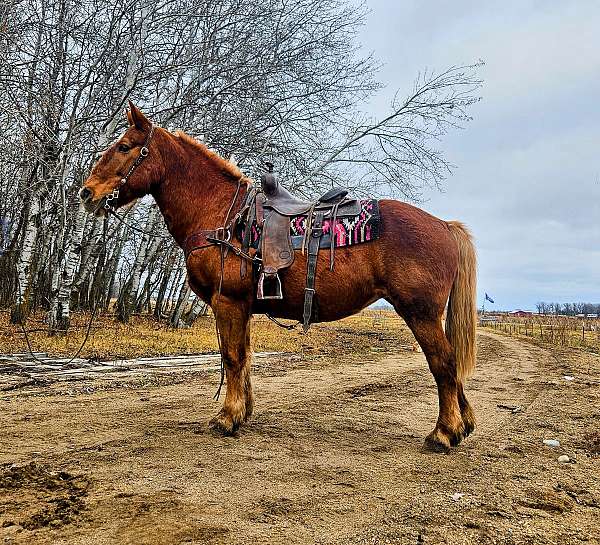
(223, 425)
(437, 442)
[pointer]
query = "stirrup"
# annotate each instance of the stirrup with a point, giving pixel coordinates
(273, 277)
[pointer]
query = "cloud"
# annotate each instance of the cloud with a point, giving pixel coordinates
(528, 181)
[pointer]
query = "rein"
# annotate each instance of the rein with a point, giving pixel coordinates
(133, 227)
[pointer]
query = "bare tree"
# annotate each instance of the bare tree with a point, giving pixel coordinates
(271, 80)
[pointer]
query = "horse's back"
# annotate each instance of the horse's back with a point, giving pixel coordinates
(414, 254)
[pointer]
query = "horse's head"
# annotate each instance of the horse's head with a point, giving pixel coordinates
(127, 170)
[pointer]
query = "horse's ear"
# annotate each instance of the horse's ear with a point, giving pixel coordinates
(137, 118)
(129, 117)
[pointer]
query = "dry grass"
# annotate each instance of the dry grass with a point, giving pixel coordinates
(145, 337)
(556, 330)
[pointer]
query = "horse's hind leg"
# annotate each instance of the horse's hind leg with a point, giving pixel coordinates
(465, 410)
(450, 427)
(233, 319)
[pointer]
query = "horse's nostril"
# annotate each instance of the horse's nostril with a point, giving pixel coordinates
(85, 194)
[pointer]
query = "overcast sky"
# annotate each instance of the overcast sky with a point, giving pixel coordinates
(528, 176)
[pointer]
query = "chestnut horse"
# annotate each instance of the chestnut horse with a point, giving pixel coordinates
(418, 264)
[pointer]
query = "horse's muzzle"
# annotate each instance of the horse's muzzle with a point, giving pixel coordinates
(85, 194)
(93, 207)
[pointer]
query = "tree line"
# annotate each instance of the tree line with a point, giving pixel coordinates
(568, 309)
(271, 80)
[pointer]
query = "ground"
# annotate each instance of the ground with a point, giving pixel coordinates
(333, 454)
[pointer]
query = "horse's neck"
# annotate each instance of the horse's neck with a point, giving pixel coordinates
(194, 195)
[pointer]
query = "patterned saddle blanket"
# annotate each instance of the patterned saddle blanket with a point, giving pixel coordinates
(346, 230)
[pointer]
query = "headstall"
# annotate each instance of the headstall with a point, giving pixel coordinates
(143, 154)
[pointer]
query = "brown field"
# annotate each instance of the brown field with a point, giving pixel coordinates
(332, 455)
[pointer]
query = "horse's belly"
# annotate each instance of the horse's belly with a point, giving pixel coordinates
(350, 287)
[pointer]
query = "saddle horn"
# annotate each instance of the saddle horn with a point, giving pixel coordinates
(268, 181)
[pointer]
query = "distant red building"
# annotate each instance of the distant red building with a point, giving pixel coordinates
(521, 313)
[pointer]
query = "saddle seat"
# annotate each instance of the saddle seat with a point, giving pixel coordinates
(287, 204)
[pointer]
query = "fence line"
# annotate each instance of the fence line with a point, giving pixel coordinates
(562, 331)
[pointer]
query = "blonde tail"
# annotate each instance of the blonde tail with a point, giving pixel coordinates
(461, 319)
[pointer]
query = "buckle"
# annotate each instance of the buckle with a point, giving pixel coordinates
(226, 234)
(144, 151)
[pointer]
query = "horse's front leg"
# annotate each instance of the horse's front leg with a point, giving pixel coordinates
(233, 321)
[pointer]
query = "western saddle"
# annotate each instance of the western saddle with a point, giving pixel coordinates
(275, 208)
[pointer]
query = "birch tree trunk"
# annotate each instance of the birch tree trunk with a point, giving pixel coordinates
(60, 319)
(182, 301)
(111, 269)
(128, 298)
(20, 308)
(199, 308)
(175, 285)
(89, 254)
(164, 283)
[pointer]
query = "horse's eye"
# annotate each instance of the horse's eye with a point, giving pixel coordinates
(123, 148)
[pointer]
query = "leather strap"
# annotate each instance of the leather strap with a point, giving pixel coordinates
(260, 211)
(197, 241)
(250, 206)
(311, 267)
(332, 226)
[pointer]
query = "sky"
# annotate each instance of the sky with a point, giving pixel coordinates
(528, 176)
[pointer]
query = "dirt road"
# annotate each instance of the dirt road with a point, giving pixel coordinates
(333, 454)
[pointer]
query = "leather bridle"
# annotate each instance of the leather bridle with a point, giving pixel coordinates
(138, 161)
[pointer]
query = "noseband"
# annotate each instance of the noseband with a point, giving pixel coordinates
(143, 154)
